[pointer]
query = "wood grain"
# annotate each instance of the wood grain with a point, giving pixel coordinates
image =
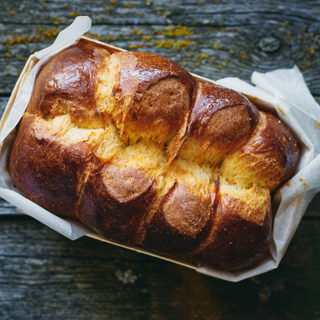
(221, 38)
(45, 276)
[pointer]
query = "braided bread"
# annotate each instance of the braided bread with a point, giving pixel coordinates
(140, 151)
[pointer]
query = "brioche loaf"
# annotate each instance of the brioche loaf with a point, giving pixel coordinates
(140, 151)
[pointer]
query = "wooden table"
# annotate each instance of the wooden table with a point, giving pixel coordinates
(45, 276)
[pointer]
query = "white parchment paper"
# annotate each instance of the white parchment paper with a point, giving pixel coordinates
(282, 90)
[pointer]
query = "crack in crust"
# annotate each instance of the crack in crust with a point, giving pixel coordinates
(135, 148)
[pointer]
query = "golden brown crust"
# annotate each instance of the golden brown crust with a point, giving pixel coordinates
(135, 148)
(140, 70)
(213, 98)
(267, 159)
(237, 243)
(44, 170)
(142, 85)
(274, 138)
(221, 121)
(241, 232)
(181, 222)
(115, 200)
(67, 84)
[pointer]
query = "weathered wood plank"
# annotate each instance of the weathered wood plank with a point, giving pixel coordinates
(7, 208)
(45, 276)
(313, 209)
(3, 104)
(159, 12)
(227, 35)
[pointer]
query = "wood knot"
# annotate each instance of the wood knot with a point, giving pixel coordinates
(269, 44)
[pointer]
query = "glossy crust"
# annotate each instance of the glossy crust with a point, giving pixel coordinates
(68, 85)
(135, 148)
(236, 240)
(44, 170)
(182, 221)
(221, 121)
(150, 95)
(267, 158)
(241, 232)
(115, 200)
